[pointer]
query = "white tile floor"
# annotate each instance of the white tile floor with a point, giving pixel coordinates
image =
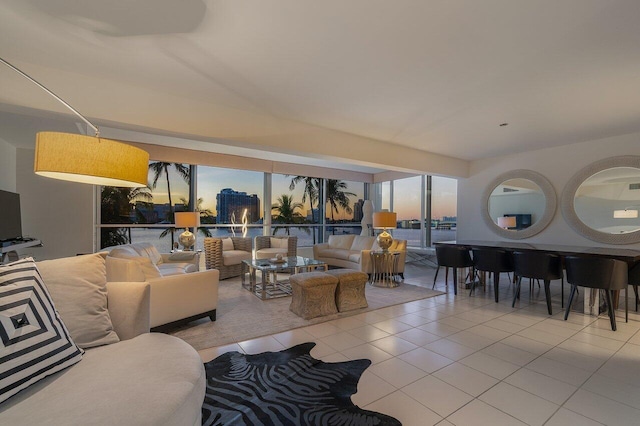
(469, 361)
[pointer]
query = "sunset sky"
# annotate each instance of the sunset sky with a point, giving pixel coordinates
(211, 180)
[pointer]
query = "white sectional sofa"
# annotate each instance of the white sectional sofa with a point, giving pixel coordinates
(127, 376)
(166, 264)
(353, 252)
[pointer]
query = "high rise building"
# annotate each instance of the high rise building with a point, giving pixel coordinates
(231, 202)
(357, 210)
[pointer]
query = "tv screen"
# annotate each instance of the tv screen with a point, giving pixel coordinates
(522, 220)
(10, 219)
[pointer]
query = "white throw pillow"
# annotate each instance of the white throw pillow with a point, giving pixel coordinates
(35, 342)
(279, 242)
(78, 287)
(227, 244)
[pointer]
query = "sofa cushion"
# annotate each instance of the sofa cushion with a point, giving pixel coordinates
(35, 342)
(341, 241)
(268, 253)
(78, 287)
(152, 379)
(279, 242)
(227, 244)
(234, 257)
(362, 243)
(148, 250)
(340, 254)
(175, 268)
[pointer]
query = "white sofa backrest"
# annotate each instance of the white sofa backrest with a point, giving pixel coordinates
(340, 241)
(362, 243)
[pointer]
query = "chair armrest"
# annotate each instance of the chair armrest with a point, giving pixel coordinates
(242, 243)
(176, 297)
(401, 260)
(129, 307)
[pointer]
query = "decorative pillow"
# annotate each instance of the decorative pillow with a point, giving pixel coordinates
(279, 243)
(78, 287)
(227, 244)
(35, 342)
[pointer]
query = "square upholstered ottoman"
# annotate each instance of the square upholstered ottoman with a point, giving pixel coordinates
(313, 294)
(350, 291)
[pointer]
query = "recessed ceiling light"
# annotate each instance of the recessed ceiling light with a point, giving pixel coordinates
(504, 124)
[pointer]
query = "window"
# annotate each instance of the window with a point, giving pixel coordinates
(407, 199)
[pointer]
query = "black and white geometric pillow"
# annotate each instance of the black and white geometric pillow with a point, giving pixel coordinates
(34, 343)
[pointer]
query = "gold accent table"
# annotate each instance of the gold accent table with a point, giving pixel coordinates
(384, 269)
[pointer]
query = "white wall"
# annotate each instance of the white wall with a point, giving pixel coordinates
(7, 167)
(58, 213)
(558, 165)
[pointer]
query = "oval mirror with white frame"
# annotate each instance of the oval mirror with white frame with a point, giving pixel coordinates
(519, 204)
(602, 201)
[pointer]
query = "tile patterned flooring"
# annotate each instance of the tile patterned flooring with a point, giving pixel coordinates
(465, 360)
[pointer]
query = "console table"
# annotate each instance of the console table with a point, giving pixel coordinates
(10, 252)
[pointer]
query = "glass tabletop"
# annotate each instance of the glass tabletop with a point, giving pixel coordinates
(286, 263)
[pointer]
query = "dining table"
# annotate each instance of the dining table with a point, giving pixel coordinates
(630, 256)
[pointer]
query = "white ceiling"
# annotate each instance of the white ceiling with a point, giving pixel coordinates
(435, 76)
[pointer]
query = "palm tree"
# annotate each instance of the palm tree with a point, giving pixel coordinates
(311, 191)
(159, 168)
(204, 213)
(116, 204)
(338, 197)
(286, 213)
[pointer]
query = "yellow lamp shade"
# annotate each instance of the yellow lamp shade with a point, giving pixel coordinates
(187, 219)
(384, 220)
(88, 159)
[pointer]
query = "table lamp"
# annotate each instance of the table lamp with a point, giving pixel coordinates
(187, 220)
(507, 222)
(384, 220)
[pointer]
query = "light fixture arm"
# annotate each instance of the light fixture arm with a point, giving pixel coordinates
(95, 128)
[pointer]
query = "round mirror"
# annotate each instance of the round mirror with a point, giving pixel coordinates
(602, 201)
(519, 204)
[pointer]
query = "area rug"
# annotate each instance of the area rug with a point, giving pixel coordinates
(242, 316)
(285, 388)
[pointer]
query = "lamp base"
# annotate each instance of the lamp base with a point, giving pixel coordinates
(187, 239)
(384, 240)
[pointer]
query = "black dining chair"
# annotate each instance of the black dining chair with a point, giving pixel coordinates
(538, 266)
(634, 280)
(598, 273)
(452, 257)
(494, 261)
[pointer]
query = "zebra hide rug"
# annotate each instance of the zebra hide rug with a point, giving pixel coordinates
(285, 388)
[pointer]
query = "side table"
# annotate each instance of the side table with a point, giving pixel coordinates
(384, 268)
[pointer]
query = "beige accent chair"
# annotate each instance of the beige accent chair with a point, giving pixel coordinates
(268, 247)
(226, 255)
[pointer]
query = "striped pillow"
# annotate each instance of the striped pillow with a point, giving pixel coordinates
(35, 342)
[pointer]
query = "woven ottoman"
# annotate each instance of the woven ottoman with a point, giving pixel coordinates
(313, 294)
(350, 291)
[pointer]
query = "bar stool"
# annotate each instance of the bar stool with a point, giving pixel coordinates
(452, 257)
(537, 266)
(494, 261)
(634, 280)
(594, 272)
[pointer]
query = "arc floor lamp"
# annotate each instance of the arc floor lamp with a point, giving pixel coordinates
(86, 159)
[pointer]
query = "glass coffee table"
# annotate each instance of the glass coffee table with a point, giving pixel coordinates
(268, 287)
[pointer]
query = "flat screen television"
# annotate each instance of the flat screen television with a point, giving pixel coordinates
(10, 217)
(522, 220)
